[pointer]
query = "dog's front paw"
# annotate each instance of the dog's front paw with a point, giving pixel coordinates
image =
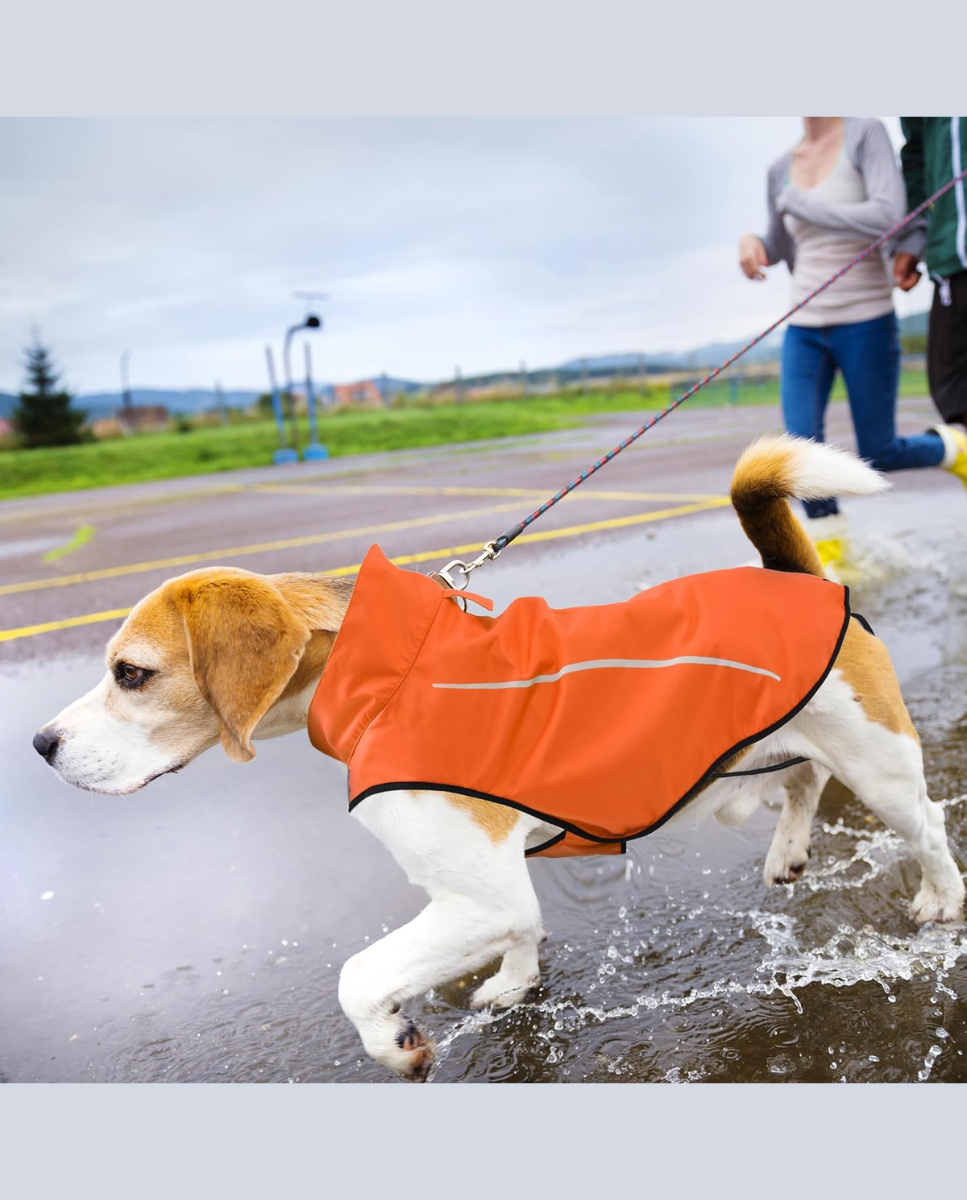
(785, 862)
(931, 905)
(414, 1053)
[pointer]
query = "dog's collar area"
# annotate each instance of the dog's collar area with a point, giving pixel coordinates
(374, 649)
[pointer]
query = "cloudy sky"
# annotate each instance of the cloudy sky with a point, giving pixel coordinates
(473, 242)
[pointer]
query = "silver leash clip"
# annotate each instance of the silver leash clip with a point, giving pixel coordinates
(445, 574)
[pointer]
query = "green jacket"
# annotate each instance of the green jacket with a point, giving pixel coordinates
(935, 151)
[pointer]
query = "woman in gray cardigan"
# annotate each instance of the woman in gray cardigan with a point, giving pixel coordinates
(836, 191)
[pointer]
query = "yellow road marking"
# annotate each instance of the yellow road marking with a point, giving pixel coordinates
(302, 489)
(184, 560)
(25, 631)
(82, 536)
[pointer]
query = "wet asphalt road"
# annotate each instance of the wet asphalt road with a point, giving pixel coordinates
(195, 931)
(324, 516)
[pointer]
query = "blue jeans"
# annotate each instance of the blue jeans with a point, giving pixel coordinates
(868, 354)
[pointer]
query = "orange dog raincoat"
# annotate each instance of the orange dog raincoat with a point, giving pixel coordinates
(602, 720)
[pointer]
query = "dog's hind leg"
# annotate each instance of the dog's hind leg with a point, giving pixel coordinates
(482, 905)
(519, 973)
(900, 800)
(789, 852)
(877, 755)
(941, 895)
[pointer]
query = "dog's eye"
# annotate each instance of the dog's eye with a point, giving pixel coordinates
(131, 677)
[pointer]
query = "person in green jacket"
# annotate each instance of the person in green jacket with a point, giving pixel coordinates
(936, 151)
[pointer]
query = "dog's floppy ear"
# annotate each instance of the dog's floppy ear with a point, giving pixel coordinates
(245, 643)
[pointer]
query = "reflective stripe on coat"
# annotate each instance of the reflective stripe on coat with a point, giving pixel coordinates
(602, 720)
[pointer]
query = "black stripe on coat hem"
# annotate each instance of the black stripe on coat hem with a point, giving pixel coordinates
(790, 762)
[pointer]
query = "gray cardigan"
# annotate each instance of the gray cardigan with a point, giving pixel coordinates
(870, 151)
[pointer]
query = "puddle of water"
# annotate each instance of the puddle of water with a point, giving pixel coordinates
(195, 931)
(29, 547)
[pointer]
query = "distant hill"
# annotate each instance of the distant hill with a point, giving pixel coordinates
(768, 350)
(195, 400)
(673, 360)
(392, 384)
(190, 400)
(106, 404)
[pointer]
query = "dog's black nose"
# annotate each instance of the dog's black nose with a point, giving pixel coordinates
(46, 744)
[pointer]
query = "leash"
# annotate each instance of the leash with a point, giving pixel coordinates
(492, 550)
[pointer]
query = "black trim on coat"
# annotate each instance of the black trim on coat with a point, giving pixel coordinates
(707, 777)
(863, 621)
(790, 762)
(558, 837)
(425, 786)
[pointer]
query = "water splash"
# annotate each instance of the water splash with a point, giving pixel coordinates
(790, 964)
(932, 1055)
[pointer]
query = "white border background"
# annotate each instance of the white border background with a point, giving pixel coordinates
(519, 58)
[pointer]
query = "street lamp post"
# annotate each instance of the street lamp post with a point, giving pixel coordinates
(283, 454)
(314, 450)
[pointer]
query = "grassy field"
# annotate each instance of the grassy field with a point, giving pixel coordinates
(345, 432)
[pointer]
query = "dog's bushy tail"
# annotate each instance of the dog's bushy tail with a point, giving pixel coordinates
(774, 470)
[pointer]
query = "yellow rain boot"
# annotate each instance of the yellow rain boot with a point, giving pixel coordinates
(954, 440)
(831, 538)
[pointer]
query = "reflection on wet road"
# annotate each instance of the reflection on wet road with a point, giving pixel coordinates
(195, 931)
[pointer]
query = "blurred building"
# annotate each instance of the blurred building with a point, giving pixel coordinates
(143, 418)
(367, 392)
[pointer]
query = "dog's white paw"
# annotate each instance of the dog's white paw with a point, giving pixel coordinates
(786, 860)
(931, 905)
(501, 992)
(413, 1053)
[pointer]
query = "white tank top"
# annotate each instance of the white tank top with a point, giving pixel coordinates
(867, 291)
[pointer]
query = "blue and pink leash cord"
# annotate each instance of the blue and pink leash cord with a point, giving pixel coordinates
(492, 549)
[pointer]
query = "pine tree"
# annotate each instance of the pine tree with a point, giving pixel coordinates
(45, 416)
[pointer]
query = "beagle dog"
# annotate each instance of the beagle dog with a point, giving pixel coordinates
(224, 655)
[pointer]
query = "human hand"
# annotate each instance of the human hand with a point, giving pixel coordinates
(905, 273)
(752, 256)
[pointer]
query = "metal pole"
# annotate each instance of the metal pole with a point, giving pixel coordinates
(314, 450)
(310, 397)
(293, 424)
(283, 454)
(125, 382)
